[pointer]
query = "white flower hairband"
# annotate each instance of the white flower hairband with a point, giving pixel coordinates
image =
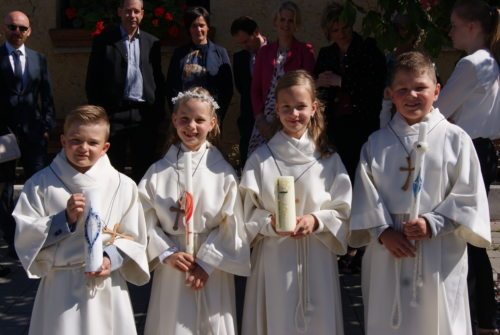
(191, 94)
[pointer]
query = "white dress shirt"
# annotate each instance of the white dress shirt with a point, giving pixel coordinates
(470, 98)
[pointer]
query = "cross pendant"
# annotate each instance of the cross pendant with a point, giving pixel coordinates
(408, 169)
(178, 211)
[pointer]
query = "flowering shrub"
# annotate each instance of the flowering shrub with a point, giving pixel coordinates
(393, 23)
(162, 18)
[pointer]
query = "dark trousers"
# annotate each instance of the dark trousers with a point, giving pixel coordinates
(480, 278)
(245, 126)
(33, 158)
(133, 141)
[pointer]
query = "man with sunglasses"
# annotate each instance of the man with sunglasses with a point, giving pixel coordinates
(26, 109)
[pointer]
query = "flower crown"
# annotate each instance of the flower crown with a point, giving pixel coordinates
(194, 95)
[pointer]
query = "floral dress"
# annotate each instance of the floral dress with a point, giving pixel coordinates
(269, 112)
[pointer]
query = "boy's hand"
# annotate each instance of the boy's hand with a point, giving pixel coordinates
(75, 207)
(105, 269)
(181, 261)
(306, 225)
(197, 278)
(417, 230)
(397, 244)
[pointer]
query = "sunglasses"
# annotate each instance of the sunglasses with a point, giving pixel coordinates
(13, 27)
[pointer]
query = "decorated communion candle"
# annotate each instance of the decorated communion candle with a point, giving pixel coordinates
(93, 225)
(285, 204)
(188, 175)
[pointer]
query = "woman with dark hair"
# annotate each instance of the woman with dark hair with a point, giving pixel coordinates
(471, 100)
(200, 63)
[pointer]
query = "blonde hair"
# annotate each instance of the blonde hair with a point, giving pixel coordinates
(201, 94)
(87, 114)
(487, 16)
(413, 62)
(316, 126)
(292, 7)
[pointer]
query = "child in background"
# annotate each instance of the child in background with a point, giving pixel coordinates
(201, 302)
(50, 235)
(294, 286)
(453, 211)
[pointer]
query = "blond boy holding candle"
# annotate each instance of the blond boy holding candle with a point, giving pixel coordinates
(415, 271)
(51, 217)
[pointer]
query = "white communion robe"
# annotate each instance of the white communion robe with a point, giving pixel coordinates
(294, 286)
(220, 243)
(452, 188)
(67, 302)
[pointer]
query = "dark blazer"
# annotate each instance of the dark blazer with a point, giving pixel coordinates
(31, 111)
(107, 71)
(363, 72)
(219, 80)
(243, 78)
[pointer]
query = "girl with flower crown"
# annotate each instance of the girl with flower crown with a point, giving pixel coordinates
(193, 293)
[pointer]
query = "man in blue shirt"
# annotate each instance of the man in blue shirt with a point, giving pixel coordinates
(124, 76)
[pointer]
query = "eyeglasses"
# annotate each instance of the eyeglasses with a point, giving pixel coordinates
(13, 27)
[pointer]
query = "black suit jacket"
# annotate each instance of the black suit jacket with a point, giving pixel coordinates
(107, 71)
(243, 83)
(30, 112)
(219, 75)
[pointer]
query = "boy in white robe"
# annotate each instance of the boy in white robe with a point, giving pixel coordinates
(194, 293)
(428, 295)
(294, 286)
(50, 236)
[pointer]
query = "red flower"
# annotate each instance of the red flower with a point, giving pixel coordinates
(169, 16)
(173, 31)
(159, 11)
(99, 27)
(70, 13)
(155, 22)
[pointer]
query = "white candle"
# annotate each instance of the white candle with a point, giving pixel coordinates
(188, 175)
(420, 147)
(285, 204)
(93, 225)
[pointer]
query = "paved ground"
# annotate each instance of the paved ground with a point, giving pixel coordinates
(17, 294)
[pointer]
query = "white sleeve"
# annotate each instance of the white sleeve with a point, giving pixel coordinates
(458, 88)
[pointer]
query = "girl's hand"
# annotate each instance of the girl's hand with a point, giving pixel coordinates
(197, 278)
(397, 244)
(417, 230)
(181, 261)
(280, 233)
(306, 225)
(75, 207)
(105, 269)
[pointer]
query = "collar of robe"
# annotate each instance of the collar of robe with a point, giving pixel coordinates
(175, 156)
(402, 128)
(100, 174)
(294, 151)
